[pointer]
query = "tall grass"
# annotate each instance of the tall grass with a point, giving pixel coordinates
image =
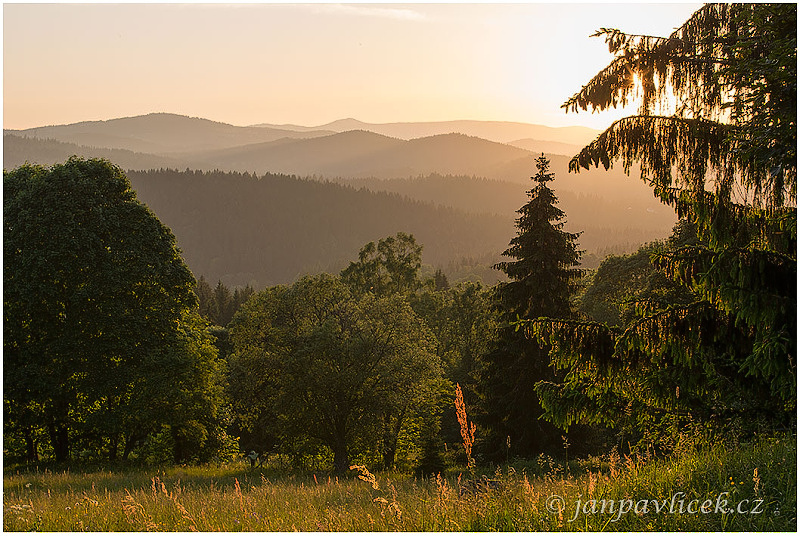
(532, 497)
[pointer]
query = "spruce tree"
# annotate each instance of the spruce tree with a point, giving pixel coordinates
(716, 138)
(542, 277)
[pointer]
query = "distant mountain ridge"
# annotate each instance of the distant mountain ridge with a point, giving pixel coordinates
(165, 133)
(351, 154)
(160, 133)
(19, 149)
(483, 180)
(497, 131)
(548, 147)
(359, 153)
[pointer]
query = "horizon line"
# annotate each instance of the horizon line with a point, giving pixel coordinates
(263, 124)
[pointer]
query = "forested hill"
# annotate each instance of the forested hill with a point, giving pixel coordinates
(353, 154)
(607, 224)
(615, 213)
(159, 133)
(265, 231)
(19, 149)
(360, 153)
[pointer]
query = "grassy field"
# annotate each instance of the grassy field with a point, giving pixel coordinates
(698, 491)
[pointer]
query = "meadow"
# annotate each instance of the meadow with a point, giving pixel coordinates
(747, 487)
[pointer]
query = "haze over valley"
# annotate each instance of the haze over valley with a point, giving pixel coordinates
(265, 204)
(355, 106)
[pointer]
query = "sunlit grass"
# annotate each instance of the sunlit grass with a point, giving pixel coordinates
(237, 498)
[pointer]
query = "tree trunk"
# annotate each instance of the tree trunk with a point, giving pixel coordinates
(131, 441)
(341, 461)
(59, 438)
(113, 448)
(178, 446)
(32, 452)
(390, 443)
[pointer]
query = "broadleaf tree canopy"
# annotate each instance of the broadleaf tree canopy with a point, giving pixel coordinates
(96, 298)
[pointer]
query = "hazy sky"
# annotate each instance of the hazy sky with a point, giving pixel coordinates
(311, 63)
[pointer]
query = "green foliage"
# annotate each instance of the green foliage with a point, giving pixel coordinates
(542, 279)
(100, 347)
(543, 276)
(218, 305)
(622, 284)
(391, 267)
(463, 322)
(669, 355)
(724, 349)
(312, 360)
(733, 70)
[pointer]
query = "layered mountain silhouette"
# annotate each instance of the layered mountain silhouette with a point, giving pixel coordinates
(498, 131)
(549, 147)
(352, 154)
(447, 168)
(18, 149)
(160, 133)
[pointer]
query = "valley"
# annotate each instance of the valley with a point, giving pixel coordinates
(265, 204)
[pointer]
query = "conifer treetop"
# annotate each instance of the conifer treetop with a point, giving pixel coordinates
(543, 165)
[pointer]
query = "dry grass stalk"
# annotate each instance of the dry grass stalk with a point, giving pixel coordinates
(136, 514)
(238, 490)
(467, 428)
(365, 475)
(174, 500)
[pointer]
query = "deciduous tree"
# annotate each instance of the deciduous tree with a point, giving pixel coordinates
(325, 364)
(95, 297)
(391, 266)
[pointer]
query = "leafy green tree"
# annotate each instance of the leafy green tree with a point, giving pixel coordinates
(179, 393)
(725, 158)
(463, 321)
(391, 266)
(315, 361)
(543, 277)
(622, 282)
(95, 298)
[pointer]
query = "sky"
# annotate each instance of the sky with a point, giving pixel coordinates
(309, 64)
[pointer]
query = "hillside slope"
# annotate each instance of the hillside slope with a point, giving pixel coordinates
(159, 133)
(19, 149)
(330, 155)
(360, 153)
(619, 225)
(239, 229)
(614, 211)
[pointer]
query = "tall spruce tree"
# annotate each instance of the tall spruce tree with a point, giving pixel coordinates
(716, 138)
(542, 277)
